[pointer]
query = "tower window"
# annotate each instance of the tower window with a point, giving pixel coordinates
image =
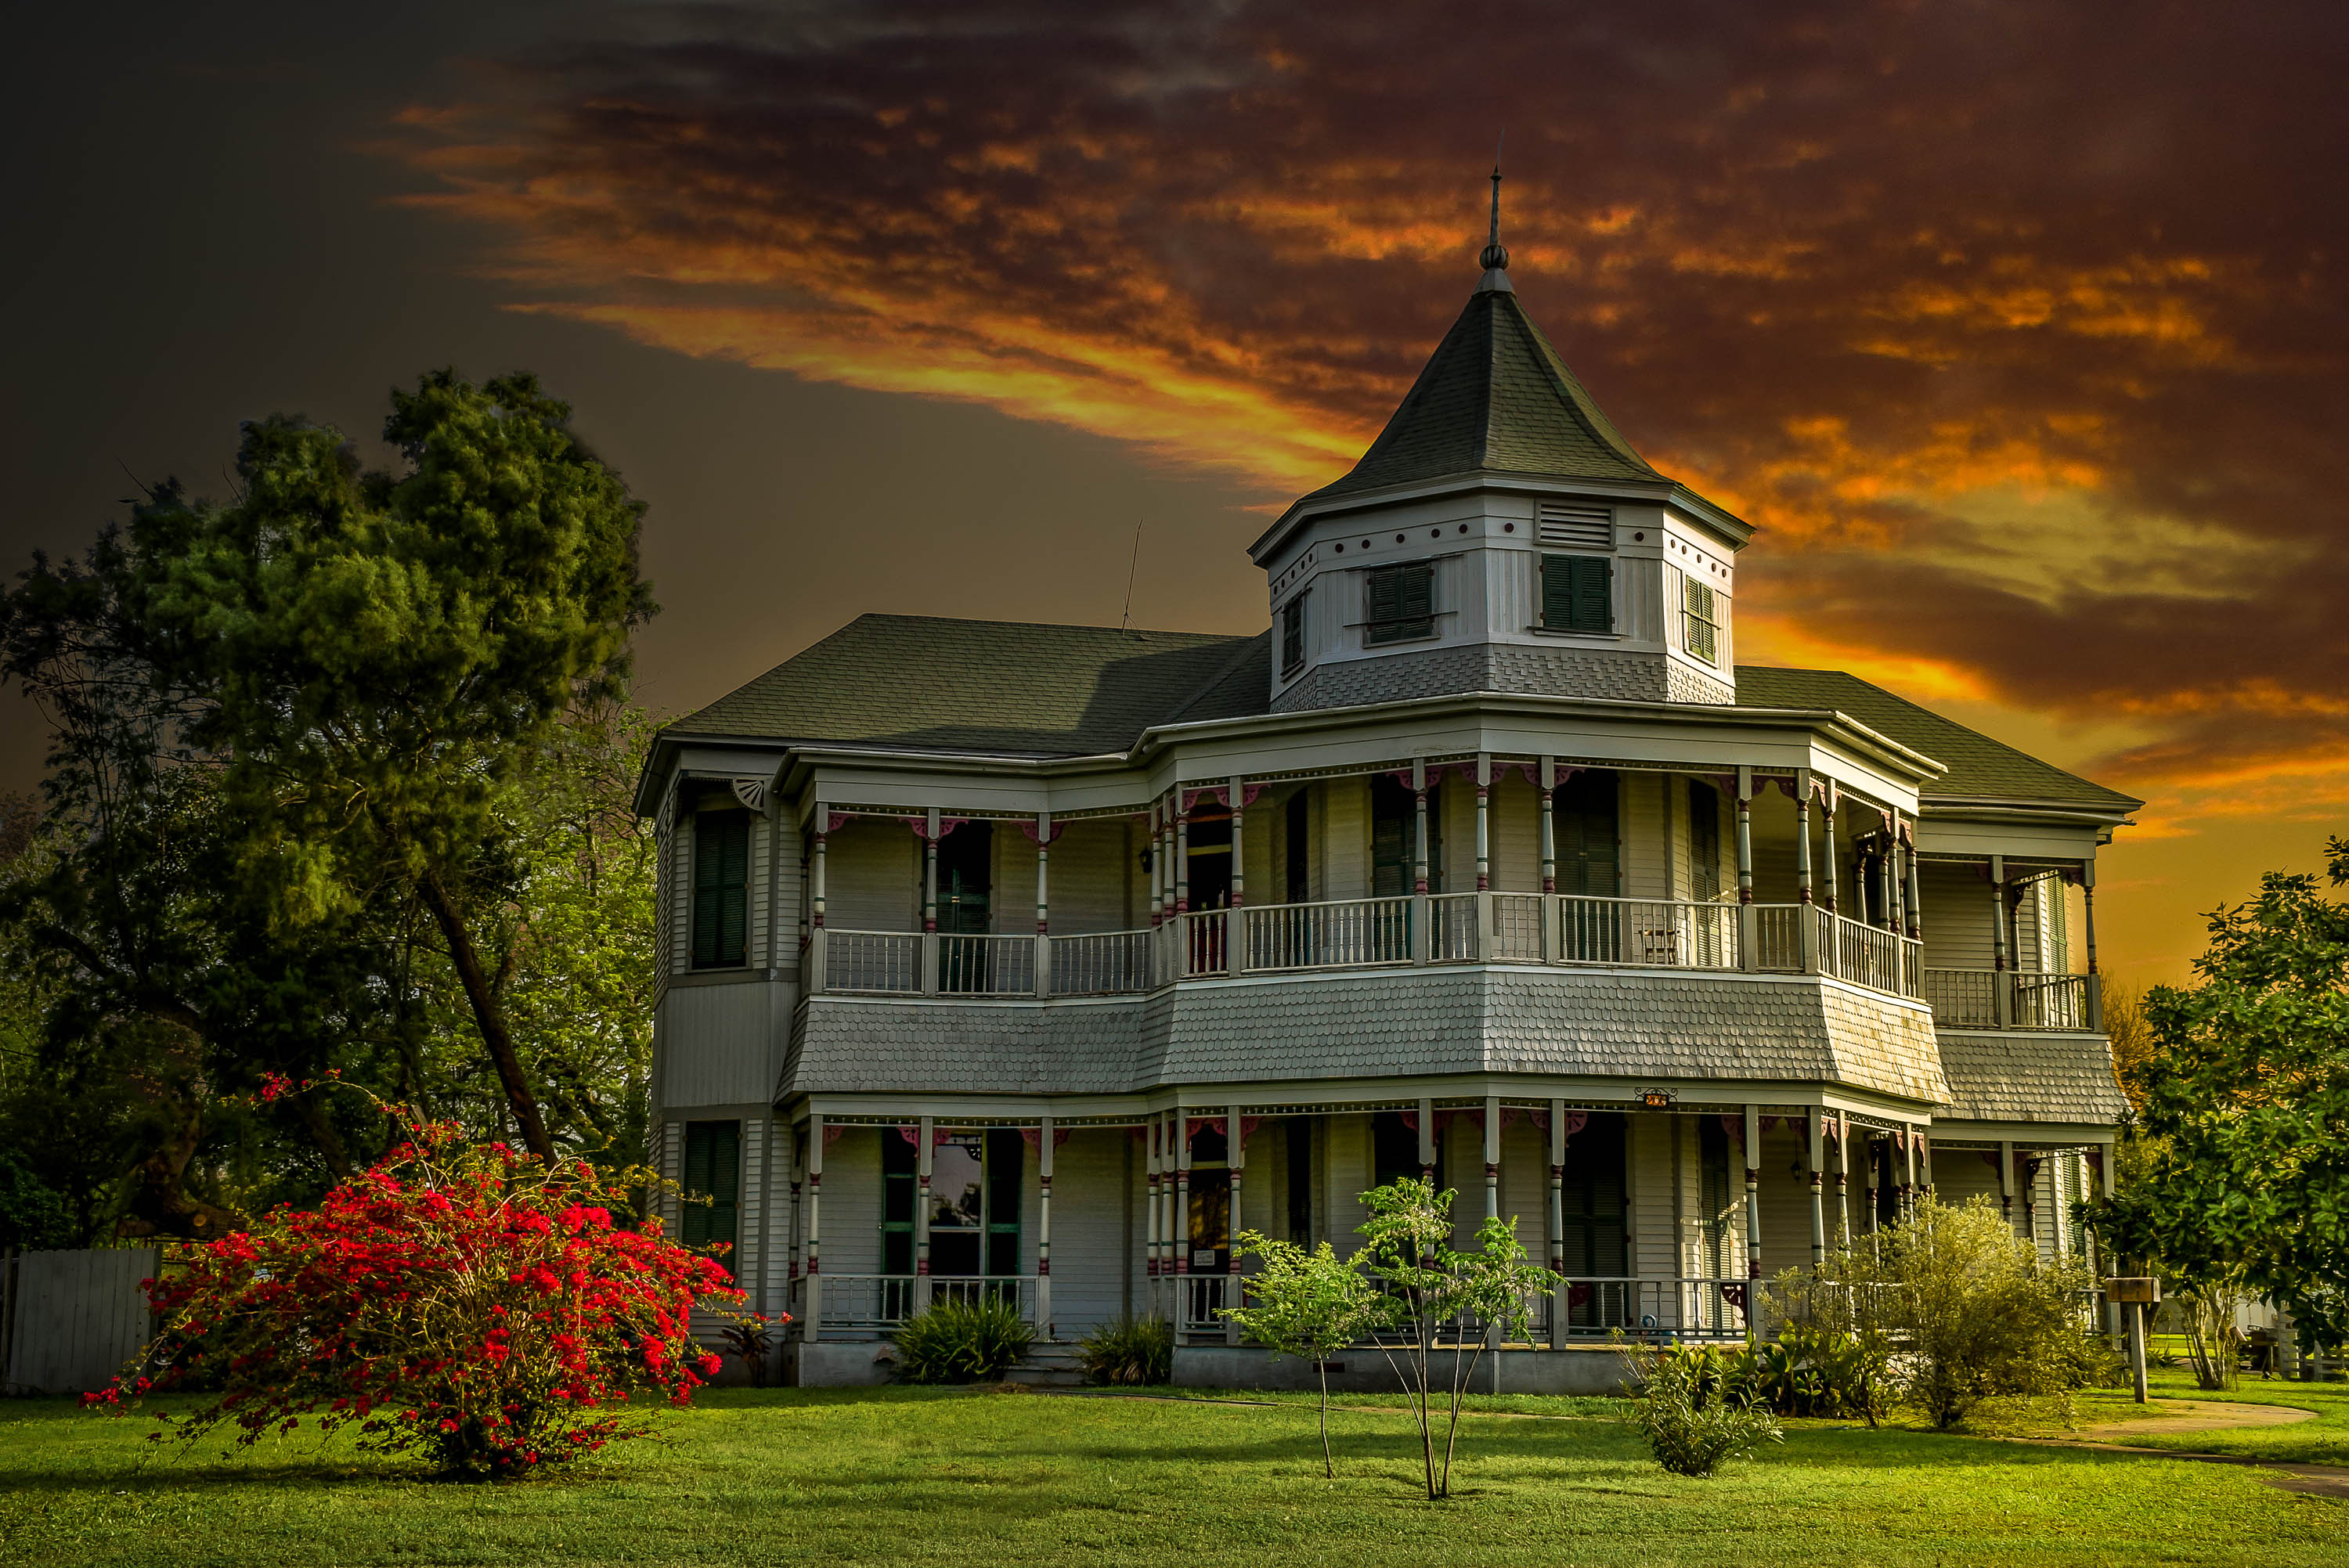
(1292, 637)
(1577, 593)
(1402, 603)
(1699, 619)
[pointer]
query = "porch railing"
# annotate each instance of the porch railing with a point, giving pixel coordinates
(1992, 999)
(986, 965)
(1101, 963)
(1340, 934)
(870, 1305)
(1561, 929)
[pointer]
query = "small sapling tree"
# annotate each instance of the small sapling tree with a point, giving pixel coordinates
(1309, 1304)
(1430, 1287)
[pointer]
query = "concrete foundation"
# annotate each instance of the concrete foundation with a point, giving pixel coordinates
(1595, 1370)
(847, 1364)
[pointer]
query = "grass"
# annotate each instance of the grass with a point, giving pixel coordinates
(2324, 1440)
(872, 1476)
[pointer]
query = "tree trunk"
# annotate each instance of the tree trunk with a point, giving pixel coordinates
(1329, 1466)
(488, 1017)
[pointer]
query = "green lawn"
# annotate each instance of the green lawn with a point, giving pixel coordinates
(2324, 1440)
(1009, 1478)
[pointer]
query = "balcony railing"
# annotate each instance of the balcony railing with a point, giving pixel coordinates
(1545, 929)
(1992, 999)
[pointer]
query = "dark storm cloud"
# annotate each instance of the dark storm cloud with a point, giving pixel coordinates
(2018, 327)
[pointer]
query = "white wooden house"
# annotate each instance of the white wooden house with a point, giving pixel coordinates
(979, 941)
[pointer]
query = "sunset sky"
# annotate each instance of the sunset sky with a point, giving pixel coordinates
(2018, 329)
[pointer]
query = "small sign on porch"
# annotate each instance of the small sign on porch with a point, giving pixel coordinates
(2136, 1292)
(1655, 1099)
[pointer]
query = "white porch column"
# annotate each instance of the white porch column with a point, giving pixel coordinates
(924, 1147)
(1817, 1160)
(1558, 1292)
(2005, 989)
(1044, 1231)
(1753, 1204)
(1875, 1212)
(1172, 1239)
(1151, 1138)
(930, 904)
(1745, 932)
(1484, 856)
(1843, 1181)
(1547, 807)
(1492, 1157)
(1182, 1215)
(1157, 866)
(1827, 818)
(813, 980)
(1235, 918)
(1802, 835)
(1234, 1157)
(2006, 1180)
(1925, 1161)
(1915, 900)
(2111, 1182)
(1422, 913)
(1182, 854)
(2088, 936)
(1427, 1140)
(1043, 904)
(1908, 1173)
(814, 1329)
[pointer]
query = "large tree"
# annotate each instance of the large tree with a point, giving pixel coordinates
(2244, 1109)
(330, 784)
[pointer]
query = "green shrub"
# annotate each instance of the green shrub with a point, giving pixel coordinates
(1130, 1351)
(957, 1341)
(1694, 1418)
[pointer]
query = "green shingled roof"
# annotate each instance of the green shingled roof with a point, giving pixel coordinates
(1494, 396)
(1978, 766)
(1009, 687)
(995, 687)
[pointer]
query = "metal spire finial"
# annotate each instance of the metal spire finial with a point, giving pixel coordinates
(1495, 257)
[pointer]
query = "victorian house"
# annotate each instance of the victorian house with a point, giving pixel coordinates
(1039, 961)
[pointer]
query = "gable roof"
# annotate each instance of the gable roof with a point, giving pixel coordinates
(1494, 396)
(1978, 766)
(999, 687)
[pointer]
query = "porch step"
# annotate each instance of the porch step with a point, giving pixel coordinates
(1049, 1365)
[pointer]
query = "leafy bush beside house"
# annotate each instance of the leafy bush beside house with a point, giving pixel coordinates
(1129, 1351)
(953, 1340)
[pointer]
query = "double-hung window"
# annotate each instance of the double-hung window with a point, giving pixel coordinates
(721, 888)
(1699, 619)
(713, 1181)
(1577, 593)
(1401, 603)
(1292, 637)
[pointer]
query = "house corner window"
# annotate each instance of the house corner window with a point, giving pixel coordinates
(721, 888)
(713, 1181)
(1577, 593)
(1292, 637)
(1699, 619)
(1402, 603)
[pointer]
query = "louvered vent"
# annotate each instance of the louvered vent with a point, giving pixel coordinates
(1563, 525)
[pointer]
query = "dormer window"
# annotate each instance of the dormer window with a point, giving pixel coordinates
(1577, 593)
(1699, 619)
(1292, 637)
(1402, 603)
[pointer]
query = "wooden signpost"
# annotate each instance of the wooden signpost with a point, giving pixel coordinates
(2140, 1297)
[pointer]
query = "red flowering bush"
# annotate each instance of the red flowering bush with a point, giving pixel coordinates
(463, 1303)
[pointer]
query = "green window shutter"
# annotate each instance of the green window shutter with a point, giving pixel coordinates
(1702, 623)
(1402, 603)
(1292, 635)
(721, 888)
(1418, 595)
(1577, 592)
(713, 1171)
(1386, 602)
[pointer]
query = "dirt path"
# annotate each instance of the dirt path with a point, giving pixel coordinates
(2207, 1416)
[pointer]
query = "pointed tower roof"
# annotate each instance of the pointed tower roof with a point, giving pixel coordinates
(1494, 396)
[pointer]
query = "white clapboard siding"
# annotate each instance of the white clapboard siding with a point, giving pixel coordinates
(873, 877)
(1089, 1216)
(1346, 1176)
(720, 1044)
(1515, 827)
(74, 1319)
(1956, 916)
(1525, 1183)
(1785, 1200)
(1346, 839)
(1647, 836)
(851, 1201)
(1093, 877)
(1648, 1142)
